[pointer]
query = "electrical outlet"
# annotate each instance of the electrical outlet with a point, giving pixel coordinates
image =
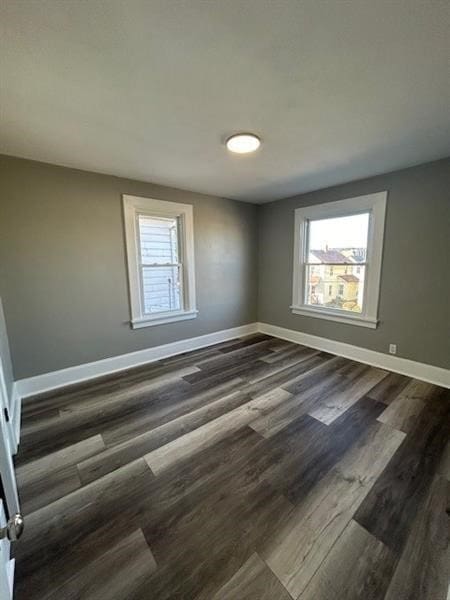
(392, 348)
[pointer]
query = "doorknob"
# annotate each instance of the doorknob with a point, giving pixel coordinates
(13, 529)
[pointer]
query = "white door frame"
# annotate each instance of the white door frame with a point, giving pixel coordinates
(11, 401)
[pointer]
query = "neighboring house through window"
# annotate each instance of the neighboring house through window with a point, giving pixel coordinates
(160, 254)
(333, 241)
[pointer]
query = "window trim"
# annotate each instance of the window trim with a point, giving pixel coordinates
(133, 206)
(375, 204)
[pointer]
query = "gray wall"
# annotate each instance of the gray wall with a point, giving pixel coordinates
(62, 266)
(63, 275)
(414, 307)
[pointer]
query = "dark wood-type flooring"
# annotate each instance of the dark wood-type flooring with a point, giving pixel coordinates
(253, 469)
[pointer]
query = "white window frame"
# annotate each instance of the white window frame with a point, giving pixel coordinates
(375, 205)
(133, 207)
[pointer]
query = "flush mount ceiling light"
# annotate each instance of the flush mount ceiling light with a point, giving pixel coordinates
(243, 143)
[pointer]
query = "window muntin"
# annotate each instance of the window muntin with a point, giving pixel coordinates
(160, 255)
(160, 264)
(335, 261)
(342, 287)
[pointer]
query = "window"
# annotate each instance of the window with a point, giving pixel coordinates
(338, 246)
(160, 252)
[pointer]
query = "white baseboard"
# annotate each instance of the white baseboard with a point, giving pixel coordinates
(55, 379)
(49, 381)
(411, 368)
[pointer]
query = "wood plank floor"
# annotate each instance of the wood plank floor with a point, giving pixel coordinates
(254, 469)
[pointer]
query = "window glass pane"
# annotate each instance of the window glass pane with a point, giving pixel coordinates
(342, 287)
(161, 289)
(339, 240)
(158, 239)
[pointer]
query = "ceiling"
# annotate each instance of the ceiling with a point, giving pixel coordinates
(150, 89)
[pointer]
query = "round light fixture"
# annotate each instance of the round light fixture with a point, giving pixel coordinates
(243, 143)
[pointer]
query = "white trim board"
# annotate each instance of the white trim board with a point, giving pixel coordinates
(375, 206)
(135, 207)
(404, 366)
(55, 379)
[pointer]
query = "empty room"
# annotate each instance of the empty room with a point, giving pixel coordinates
(224, 299)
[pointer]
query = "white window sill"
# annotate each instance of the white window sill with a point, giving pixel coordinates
(338, 316)
(162, 318)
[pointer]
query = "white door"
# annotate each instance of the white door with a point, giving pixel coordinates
(9, 506)
(10, 520)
